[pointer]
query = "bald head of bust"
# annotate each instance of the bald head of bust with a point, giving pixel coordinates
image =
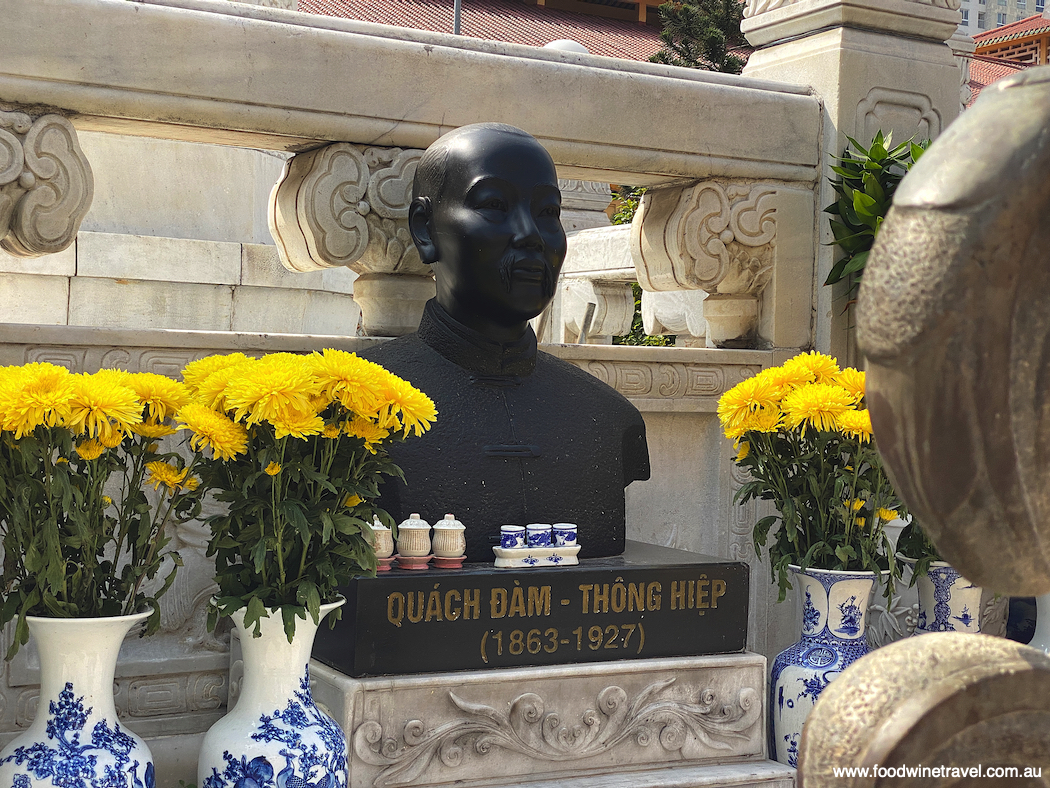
(485, 214)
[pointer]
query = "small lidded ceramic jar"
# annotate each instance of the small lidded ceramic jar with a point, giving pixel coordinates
(413, 537)
(449, 538)
(382, 539)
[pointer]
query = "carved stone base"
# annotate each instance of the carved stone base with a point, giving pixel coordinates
(556, 723)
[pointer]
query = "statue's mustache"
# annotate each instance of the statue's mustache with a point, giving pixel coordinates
(512, 258)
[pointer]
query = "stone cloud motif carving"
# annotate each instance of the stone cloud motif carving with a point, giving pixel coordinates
(712, 237)
(346, 205)
(683, 730)
(46, 184)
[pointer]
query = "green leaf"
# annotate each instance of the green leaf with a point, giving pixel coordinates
(856, 265)
(253, 616)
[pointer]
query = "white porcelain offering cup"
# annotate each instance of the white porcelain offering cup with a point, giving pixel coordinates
(538, 534)
(511, 536)
(564, 534)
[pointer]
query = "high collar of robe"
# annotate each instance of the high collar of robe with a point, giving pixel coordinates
(473, 351)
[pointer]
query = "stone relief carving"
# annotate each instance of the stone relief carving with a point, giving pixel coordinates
(717, 238)
(904, 113)
(46, 184)
(684, 730)
(742, 518)
(584, 195)
(679, 314)
(755, 7)
(720, 238)
(704, 382)
(346, 205)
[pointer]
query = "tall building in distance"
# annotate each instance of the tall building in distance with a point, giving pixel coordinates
(979, 16)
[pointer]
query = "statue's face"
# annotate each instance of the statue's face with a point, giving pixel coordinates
(497, 230)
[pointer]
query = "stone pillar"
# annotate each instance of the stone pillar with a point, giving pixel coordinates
(876, 64)
(45, 184)
(347, 204)
(963, 47)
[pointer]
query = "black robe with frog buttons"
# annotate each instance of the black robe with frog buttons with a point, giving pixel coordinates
(521, 437)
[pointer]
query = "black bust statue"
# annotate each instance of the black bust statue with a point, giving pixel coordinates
(521, 436)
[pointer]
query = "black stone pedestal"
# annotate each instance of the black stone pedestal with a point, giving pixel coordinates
(649, 602)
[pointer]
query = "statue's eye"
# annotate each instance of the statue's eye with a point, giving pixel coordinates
(493, 204)
(551, 210)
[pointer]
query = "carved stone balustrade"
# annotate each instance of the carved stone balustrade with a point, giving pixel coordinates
(728, 240)
(45, 184)
(347, 205)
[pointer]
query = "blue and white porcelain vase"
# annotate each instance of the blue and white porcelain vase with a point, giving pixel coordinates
(834, 616)
(275, 737)
(76, 740)
(948, 602)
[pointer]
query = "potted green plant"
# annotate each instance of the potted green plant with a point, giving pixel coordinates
(294, 445)
(804, 437)
(85, 549)
(867, 180)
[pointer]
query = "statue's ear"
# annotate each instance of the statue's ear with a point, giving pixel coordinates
(420, 213)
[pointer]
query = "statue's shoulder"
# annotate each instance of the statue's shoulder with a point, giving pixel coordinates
(586, 387)
(397, 354)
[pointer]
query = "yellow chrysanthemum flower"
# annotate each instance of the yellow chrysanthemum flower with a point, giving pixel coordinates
(118, 377)
(298, 424)
(90, 449)
(743, 450)
(886, 515)
(856, 424)
(99, 407)
(191, 483)
(763, 420)
(817, 405)
(352, 380)
(37, 394)
(212, 391)
(853, 381)
(273, 469)
(860, 522)
(196, 372)
(151, 429)
(279, 386)
(352, 500)
(824, 368)
(213, 430)
(371, 434)
(746, 397)
(857, 504)
(332, 431)
(786, 378)
(416, 408)
(111, 440)
(61, 461)
(161, 395)
(165, 474)
(106, 501)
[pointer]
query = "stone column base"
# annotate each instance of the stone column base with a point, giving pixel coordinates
(392, 304)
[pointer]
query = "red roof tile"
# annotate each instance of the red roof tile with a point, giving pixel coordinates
(1023, 27)
(502, 20)
(984, 72)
